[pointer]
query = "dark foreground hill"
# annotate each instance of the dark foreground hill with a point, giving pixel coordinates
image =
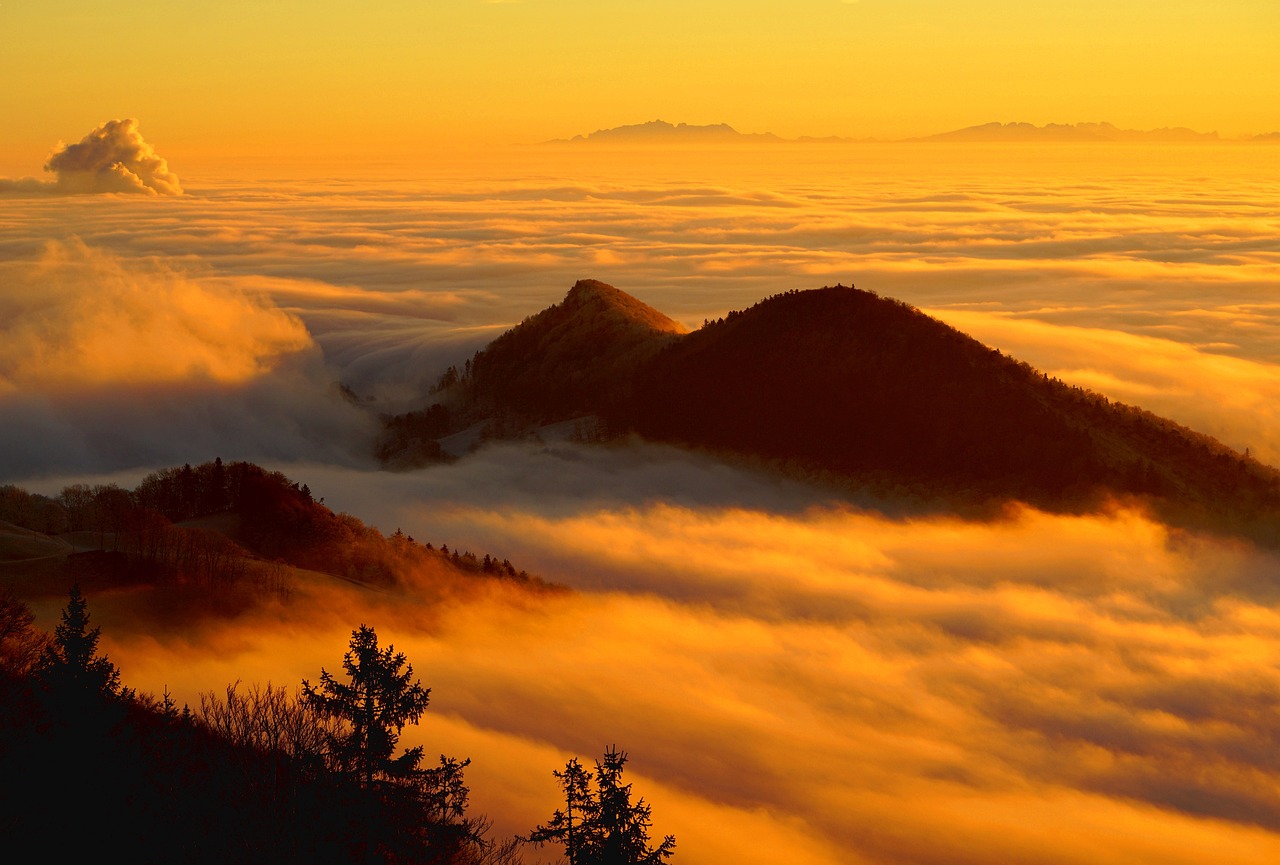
(869, 389)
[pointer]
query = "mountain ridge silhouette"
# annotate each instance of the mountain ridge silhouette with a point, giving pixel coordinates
(658, 133)
(841, 381)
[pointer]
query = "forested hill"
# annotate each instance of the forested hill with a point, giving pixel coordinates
(871, 387)
(571, 358)
(578, 357)
(228, 530)
(843, 381)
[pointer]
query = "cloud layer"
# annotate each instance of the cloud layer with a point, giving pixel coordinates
(789, 672)
(843, 686)
(108, 363)
(395, 278)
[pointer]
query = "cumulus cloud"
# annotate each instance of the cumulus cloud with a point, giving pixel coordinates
(112, 158)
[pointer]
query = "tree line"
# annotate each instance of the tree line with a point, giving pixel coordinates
(267, 520)
(258, 774)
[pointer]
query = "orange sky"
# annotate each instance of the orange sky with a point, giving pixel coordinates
(290, 78)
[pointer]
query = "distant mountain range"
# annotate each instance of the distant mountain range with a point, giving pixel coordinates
(661, 133)
(844, 384)
(1069, 132)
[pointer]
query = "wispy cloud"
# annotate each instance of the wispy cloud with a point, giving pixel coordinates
(110, 363)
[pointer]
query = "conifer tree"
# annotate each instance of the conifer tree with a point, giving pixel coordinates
(609, 828)
(71, 663)
(375, 704)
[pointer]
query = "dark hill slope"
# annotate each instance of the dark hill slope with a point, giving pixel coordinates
(844, 380)
(572, 358)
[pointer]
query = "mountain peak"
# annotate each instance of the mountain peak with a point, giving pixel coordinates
(588, 290)
(600, 298)
(570, 358)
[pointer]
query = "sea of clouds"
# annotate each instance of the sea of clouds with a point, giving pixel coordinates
(792, 669)
(1148, 274)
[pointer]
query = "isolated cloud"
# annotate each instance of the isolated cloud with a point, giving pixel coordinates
(112, 158)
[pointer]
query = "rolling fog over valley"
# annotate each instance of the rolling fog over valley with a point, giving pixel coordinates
(1126, 269)
(842, 673)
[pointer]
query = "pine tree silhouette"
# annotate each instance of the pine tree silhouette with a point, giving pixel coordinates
(609, 828)
(71, 664)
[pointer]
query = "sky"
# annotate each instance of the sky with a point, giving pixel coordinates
(248, 204)
(287, 79)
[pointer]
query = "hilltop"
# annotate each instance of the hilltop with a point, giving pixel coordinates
(575, 358)
(216, 538)
(842, 382)
(588, 347)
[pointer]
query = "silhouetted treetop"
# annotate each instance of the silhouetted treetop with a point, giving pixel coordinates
(378, 699)
(71, 664)
(602, 826)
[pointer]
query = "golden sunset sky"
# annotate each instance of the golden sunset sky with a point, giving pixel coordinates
(395, 77)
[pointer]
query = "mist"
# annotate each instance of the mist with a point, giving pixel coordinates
(827, 680)
(795, 670)
(1136, 271)
(109, 363)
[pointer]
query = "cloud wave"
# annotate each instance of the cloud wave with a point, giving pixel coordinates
(81, 318)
